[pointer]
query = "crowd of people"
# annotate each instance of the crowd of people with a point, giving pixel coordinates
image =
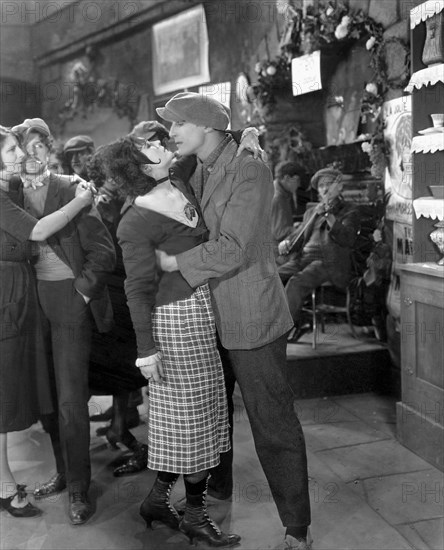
(130, 265)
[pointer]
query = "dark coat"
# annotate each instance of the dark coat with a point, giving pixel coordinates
(336, 241)
(86, 246)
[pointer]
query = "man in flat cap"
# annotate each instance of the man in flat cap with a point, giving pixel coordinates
(78, 151)
(71, 270)
(250, 306)
(327, 234)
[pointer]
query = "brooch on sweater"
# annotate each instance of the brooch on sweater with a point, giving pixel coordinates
(190, 211)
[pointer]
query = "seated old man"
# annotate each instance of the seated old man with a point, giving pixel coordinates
(324, 241)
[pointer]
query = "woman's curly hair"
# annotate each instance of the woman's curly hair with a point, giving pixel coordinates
(122, 162)
(96, 168)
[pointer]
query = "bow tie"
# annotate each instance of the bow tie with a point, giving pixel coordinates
(34, 183)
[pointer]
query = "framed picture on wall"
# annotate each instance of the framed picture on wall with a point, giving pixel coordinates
(180, 51)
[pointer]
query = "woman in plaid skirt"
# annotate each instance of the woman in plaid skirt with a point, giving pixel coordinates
(176, 337)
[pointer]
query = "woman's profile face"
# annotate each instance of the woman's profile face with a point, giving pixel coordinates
(12, 157)
(157, 153)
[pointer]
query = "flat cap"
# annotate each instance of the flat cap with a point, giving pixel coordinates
(330, 173)
(196, 108)
(77, 143)
(148, 129)
(32, 124)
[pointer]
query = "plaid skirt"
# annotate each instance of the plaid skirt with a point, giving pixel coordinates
(188, 415)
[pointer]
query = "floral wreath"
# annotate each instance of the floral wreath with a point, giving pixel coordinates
(329, 25)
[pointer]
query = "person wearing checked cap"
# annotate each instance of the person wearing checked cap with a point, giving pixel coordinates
(251, 311)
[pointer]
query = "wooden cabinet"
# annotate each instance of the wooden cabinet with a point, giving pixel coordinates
(420, 412)
(421, 409)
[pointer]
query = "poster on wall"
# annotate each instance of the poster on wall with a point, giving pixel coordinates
(180, 51)
(397, 116)
(306, 73)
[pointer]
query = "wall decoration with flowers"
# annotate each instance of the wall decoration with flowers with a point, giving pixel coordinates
(328, 26)
(333, 26)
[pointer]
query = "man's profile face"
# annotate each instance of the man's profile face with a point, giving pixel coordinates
(78, 160)
(37, 152)
(188, 137)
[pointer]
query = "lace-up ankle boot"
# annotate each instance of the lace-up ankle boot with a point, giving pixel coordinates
(157, 504)
(197, 524)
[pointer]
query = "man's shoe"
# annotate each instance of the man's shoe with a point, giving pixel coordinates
(297, 332)
(102, 417)
(135, 463)
(55, 485)
(80, 509)
(291, 543)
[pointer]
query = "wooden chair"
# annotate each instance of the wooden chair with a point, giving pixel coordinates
(319, 309)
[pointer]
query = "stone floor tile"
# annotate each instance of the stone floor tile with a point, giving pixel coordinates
(407, 497)
(321, 410)
(342, 519)
(329, 436)
(431, 531)
(380, 413)
(372, 459)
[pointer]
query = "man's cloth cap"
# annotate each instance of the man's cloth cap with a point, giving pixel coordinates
(196, 108)
(32, 124)
(330, 173)
(78, 143)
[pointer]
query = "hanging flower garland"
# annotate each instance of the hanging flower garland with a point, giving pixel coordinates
(334, 25)
(378, 150)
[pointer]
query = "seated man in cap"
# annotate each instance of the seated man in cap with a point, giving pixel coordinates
(249, 302)
(71, 270)
(324, 243)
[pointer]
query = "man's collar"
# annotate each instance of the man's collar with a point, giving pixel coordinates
(216, 152)
(35, 181)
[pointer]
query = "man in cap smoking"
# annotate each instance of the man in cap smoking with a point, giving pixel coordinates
(329, 232)
(250, 306)
(71, 270)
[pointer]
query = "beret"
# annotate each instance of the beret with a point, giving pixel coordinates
(196, 108)
(148, 129)
(77, 143)
(330, 173)
(32, 124)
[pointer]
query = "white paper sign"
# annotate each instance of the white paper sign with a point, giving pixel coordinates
(306, 73)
